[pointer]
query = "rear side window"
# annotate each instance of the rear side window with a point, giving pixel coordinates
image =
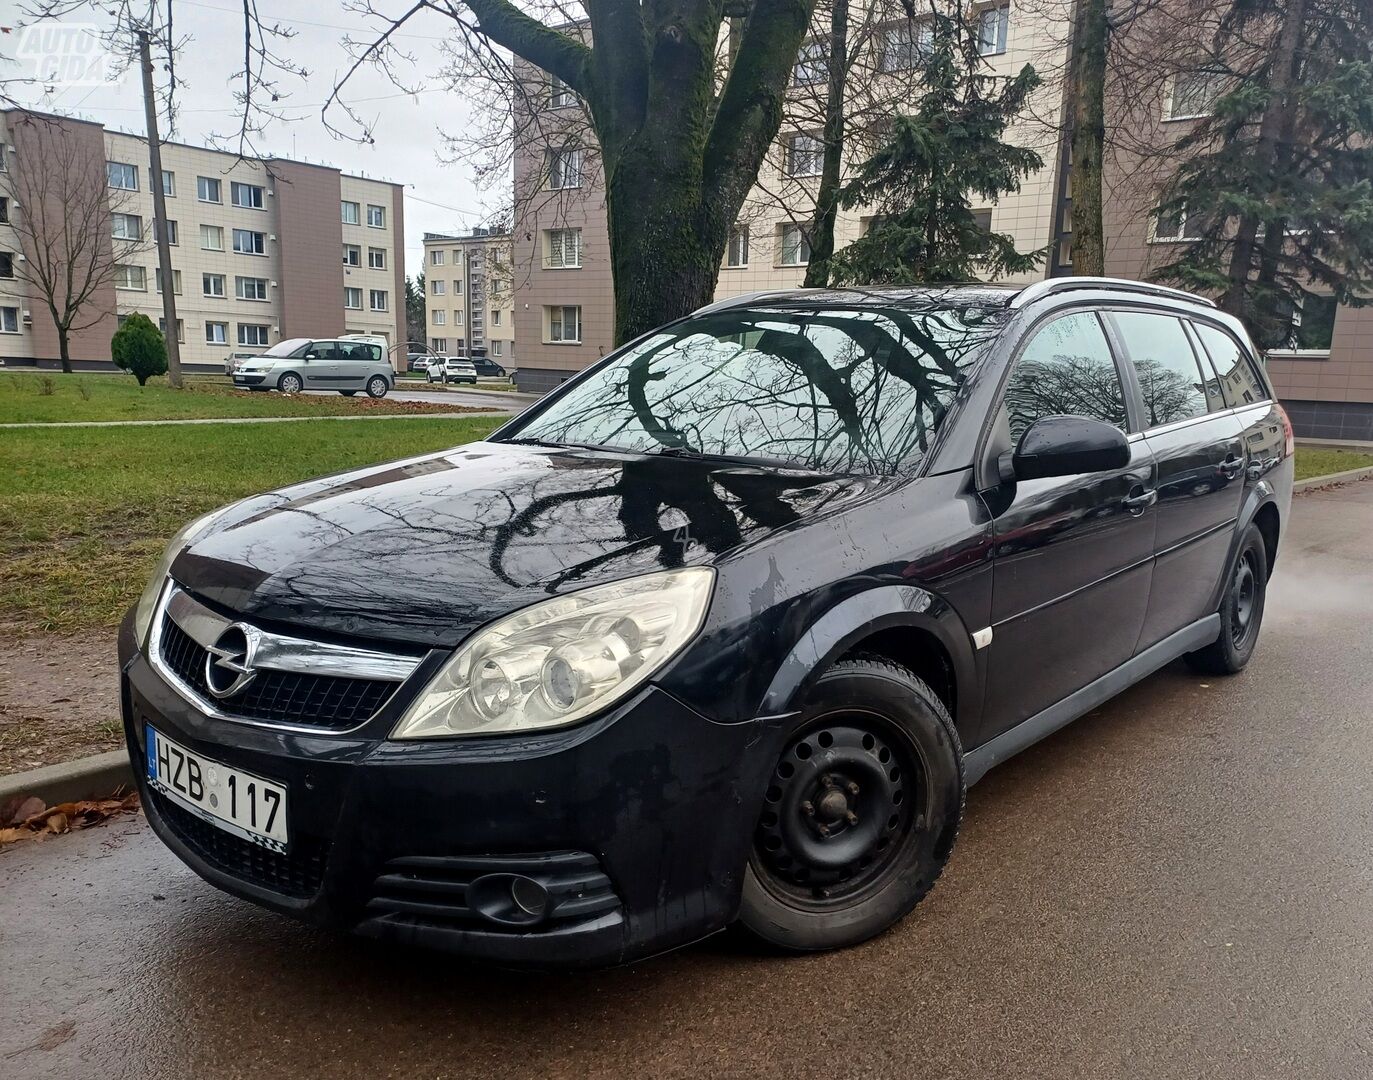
(1238, 382)
(1066, 369)
(1170, 381)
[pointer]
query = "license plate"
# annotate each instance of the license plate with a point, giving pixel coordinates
(238, 802)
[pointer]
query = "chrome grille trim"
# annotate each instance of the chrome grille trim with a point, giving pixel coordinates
(197, 621)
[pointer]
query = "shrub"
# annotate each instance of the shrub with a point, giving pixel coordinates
(139, 348)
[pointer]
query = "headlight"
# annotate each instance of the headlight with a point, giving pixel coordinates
(143, 612)
(557, 662)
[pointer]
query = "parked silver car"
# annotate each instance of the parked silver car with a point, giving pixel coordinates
(298, 364)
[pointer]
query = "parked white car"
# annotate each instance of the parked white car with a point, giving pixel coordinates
(452, 369)
(236, 360)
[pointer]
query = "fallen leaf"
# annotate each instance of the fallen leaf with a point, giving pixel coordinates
(67, 817)
(27, 808)
(57, 823)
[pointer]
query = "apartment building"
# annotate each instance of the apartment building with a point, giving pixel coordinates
(468, 300)
(261, 249)
(563, 286)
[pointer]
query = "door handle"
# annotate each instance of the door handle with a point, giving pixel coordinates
(1137, 504)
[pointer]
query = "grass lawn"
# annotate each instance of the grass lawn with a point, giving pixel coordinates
(85, 512)
(45, 398)
(1312, 461)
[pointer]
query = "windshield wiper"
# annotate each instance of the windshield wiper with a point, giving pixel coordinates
(691, 452)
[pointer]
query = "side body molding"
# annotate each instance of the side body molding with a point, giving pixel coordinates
(865, 613)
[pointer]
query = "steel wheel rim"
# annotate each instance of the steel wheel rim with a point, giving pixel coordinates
(1244, 591)
(290, 385)
(821, 844)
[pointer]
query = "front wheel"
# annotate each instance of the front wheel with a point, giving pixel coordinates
(860, 814)
(1241, 611)
(377, 386)
(290, 383)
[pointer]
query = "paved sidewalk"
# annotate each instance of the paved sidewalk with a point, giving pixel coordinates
(257, 419)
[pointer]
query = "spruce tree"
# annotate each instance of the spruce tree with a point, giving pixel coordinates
(1277, 184)
(920, 180)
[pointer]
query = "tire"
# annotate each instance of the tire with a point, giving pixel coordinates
(1241, 611)
(290, 383)
(347, 393)
(861, 813)
(377, 386)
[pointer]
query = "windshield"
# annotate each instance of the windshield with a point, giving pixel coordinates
(287, 347)
(830, 390)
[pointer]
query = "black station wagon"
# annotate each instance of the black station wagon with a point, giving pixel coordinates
(720, 631)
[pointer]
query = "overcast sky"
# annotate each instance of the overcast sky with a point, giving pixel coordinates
(438, 198)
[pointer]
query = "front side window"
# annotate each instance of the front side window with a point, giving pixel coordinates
(248, 196)
(247, 242)
(1065, 370)
(350, 213)
(1170, 382)
(805, 155)
(832, 390)
(993, 25)
(122, 176)
(207, 189)
(376, 216)
(795, 246)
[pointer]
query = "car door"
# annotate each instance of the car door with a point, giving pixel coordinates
(320, 369)
(1198, 444)
(1072, 554)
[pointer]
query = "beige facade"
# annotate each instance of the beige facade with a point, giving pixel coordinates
(468, 298)
(259, 252)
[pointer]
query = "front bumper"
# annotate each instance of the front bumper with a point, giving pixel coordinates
(638, 823)
(248, 380)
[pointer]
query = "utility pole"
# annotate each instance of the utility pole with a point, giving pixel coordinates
(164, 253)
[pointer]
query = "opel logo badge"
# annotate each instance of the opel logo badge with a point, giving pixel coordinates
(229, 665)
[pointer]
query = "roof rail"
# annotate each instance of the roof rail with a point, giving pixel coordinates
(1049, 286)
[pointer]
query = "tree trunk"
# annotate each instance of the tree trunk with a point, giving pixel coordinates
(1276, 117)
(827, 198)
(64, 349)
(1090, 33)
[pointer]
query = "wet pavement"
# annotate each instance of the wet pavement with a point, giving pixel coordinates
(1180, 885)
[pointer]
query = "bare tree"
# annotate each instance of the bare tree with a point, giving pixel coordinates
(63, 214)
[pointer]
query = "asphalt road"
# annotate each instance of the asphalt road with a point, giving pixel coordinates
(1180, 885)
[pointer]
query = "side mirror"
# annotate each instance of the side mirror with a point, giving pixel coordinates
(309, 356)
(1067, 446)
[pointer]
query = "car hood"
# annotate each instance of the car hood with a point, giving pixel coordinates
(425, 550)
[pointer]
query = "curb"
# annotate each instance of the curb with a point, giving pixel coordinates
(92, 777)
(1331, 479)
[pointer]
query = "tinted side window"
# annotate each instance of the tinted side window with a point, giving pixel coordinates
(1066, 369)
(1170, 382)
(1238, 383)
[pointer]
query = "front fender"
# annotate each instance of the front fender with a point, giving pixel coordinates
(855, 618)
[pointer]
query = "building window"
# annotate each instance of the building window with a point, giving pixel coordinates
(352, 298)
(352, 255)
(1310, 324)
(983, 219)
(247, 242)
(496, 348)
(134, 278)
(1175, 225)
(6, 264)
(252, 334)
(248, 196)
(810, 63)
(564, 168)
(377, 299)
(436, 287)
(993, 24)
(1191, 94)
(736, 254)
(439, 318)
(216, 333)
(376, 258)
(212, 284)
(169, 183)
(176, 281)
(795, 247)
(562, 248)
(376, 216)
(564, 324)
(250, 288)
(905, 45)
(496, 317)
(207, 189)
(126, 226)
(457, 316)
(438, 345)
(9, 316)
(436, 258)
(350, 213)
(211, 238)
(4, 205)
(560, 95)
(173, 234)
(180, 329)
(805, 155)
(124, 177)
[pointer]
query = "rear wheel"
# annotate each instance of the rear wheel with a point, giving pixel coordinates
(1241, 611)
(377, 386)
(290, 383)
(861, 811)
